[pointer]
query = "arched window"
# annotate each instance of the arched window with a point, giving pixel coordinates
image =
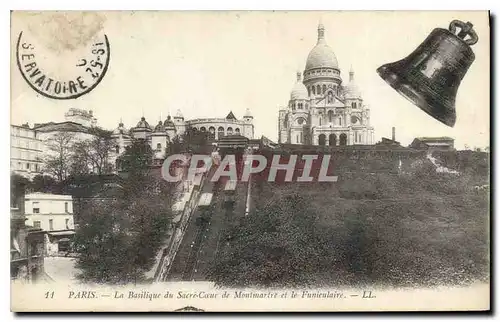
(117, 148)
(313, 90)
(220, 132)
(203, 129)
(322, 139)
(343, 139)
(237, 131)
(330, 116)
(211, 132)
(318, 89)
(324, 88)
(332, 139)
(229, 131)
(309, 91)
(158, 147)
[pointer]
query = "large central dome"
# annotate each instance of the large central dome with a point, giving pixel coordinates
(321, 56)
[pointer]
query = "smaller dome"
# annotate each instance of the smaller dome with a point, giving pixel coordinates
(143, 123)
(299, 91)
(159, 127)
(169, 124)
(248, 113)
(120, 129)
(178, 114)
(352, 89)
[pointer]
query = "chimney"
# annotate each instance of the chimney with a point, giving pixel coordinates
(393, 133)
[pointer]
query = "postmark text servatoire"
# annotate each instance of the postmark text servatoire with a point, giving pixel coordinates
(62, 75)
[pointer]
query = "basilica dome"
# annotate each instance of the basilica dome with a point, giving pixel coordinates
(321, 56)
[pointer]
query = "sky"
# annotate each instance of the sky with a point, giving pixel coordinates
(209, 63)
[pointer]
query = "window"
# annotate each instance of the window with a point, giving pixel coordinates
(300, 106)
(67, 223)
(301, 138)
(313, 90)
(158, 147)
(229, 131)
(66, 207)
(27, 165)
(51, 224)
(324, 88)
(318, 89)
(37, 224)
(211, 133)
(340, 120)
(220, 132)
(36, 207)
(330, 116)
(297, 140)
(353, 104)
(320, 121)
(117, 149)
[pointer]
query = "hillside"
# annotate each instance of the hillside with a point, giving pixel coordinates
(410, 226)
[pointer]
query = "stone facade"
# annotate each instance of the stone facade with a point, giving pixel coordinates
(29, 145)
(322, 110)
(161, 135)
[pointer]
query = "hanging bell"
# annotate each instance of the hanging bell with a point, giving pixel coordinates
(430, 76)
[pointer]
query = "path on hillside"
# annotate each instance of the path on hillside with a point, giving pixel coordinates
(183, 261)
(204, 237)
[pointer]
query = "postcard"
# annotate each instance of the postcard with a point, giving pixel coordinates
(250, 161)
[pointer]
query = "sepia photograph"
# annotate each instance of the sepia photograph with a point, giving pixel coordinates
(250, 161)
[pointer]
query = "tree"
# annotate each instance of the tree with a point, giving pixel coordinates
(44, 183)
(58, 161)
(277, 246)
(18, 187)
(119, 237)
(190, 141)
(136, 160)
(93, 154)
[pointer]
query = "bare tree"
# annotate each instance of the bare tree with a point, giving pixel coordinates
(95, 152)
(58, 161)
